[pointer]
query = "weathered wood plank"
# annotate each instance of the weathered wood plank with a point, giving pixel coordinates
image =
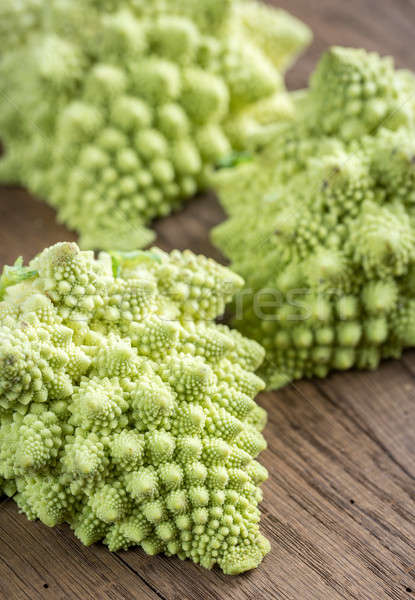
(337, 509)
(339, 505)
(384, 26)
(27, 226)
(39, 562)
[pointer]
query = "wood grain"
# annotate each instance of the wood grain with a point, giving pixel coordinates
(339, 504)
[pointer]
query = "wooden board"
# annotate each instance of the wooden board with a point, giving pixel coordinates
(339, 504)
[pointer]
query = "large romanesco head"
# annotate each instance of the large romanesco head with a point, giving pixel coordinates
(322, 224)
(116, 112)
(125, 411)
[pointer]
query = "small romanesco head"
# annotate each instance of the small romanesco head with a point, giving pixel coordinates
(125, 411)
(117, 114)
(353, 92)
(322, 224)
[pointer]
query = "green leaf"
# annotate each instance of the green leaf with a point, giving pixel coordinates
(14, 275)
(133, 258)
(234, 159)
(116, 267)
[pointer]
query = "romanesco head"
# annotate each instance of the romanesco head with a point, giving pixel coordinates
(354, 92)
(326, 242)
(120, 112)
(125, 411)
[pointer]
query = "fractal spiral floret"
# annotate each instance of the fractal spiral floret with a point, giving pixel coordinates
(125, 411)
(116, 112)
(322, 223)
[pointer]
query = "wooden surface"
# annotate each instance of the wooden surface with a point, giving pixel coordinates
(339, 504)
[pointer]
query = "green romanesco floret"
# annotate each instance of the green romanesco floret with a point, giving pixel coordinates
(322, 224)
(117, 112)
(125, 410)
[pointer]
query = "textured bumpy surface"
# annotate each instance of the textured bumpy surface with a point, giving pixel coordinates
(125, 411)
(322, 224)
(116, 114)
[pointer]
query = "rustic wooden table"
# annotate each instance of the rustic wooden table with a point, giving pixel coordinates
(339, 504)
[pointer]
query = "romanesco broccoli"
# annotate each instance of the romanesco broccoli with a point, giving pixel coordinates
(116, 114)
(125, 411)
(322, 224)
